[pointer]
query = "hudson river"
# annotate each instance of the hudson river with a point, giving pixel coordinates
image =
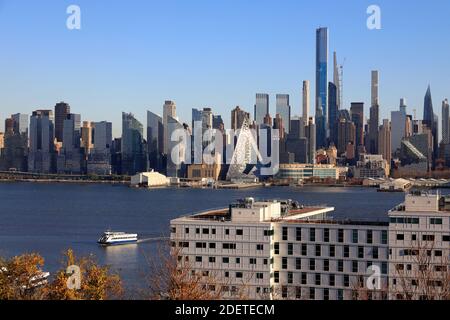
(49, 218)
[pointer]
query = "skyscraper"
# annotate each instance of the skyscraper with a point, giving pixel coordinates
(430, 120)
(310, 133)
(398, 126)
(284, 110)
(169, 110)
(62, 109)
(175, 166)
(374, 115)
(69, 159)
(384, 141)
(445, 122)
(155, 133)
(357, 114)
(42, 134)
(306, 101)
(237, 118)
(337, 80)
(20, 123)
(87, 137)
(321, 85)
(134, 157)
(99, 161)
(261, 107)
(333, 111)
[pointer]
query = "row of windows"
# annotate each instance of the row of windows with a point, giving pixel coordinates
(205, 231)
(226, 260)
(331, 250)
(436, 221)
(312, 266)
(318, 279)
(212, 245)
(425, 237)
(339, 235)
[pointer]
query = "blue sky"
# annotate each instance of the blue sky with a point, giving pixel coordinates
(132, 55)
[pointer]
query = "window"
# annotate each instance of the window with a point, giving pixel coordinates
(384, 268)
(239, 275)
(298, 234)
(276, 247)
(268, 233)
(259, 275)
(304, 279)
(340, 235)
(438, 253)
(197, 230)
(284, 263)
(369, 236)
(360, 252)
(238, 260)
(312, 264)
(225, 260)
(400, 236)
(326, 235)
(212, 259)
(229, 246)
(285, 233)
(252, 260)
(298, 263)
(428, 237)
(186, 230)
(332, 251)
(205, 231)
(318, 251)
(375, 252)
(298, 292)
(227, 232)
(213, 231)
(198, 259)
(413, 237)
(265, 261)
(355, 266)
(326, 294)
(346, 251)
(346, 280)
(227, 274)
(200, 245)
(304, 250)
(326, 265)
(435, 220)
(290, 277)
(284, 292)
(331, 280)
(312, 293)
(290, 249)
(212, 245)
(239, 232)
(312, 234)
(276, 276)
(355, 236)
(384, 237)
(446, 238)
(317, 279)
(340, 266)
(259, 247)
(340, 294)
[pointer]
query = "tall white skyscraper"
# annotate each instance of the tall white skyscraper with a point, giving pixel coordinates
(169, 110)
(445, 122)
(306, 101)
(374, 88)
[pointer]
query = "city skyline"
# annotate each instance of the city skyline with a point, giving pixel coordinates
(133, 78)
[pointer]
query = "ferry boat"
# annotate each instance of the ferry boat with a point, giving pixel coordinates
(110, 238)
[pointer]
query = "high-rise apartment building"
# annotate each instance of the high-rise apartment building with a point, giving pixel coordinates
(284, 110)
(445, 122)
(261, 107)
(237, 118)
(134, 157)
(321, 86)
(169, 110)
(398, 125)
(42, 135)
(333, 111)
(384, 141)
(306, 101)
(99, 160)
(62, 109)
(374, 115)
(357, 116)
(155, 133)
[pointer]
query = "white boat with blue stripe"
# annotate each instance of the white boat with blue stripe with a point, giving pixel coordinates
(110, 238)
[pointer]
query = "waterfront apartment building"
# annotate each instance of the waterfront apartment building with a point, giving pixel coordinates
(419, 243)
(281, 250)
(301, 171)
(285, 250)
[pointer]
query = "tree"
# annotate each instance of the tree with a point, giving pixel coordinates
(97, 283)
(174, 278)
(18, 275)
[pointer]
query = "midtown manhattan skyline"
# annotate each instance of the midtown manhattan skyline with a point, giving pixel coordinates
(133, 58)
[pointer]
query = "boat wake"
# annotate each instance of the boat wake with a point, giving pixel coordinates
(154, 239)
